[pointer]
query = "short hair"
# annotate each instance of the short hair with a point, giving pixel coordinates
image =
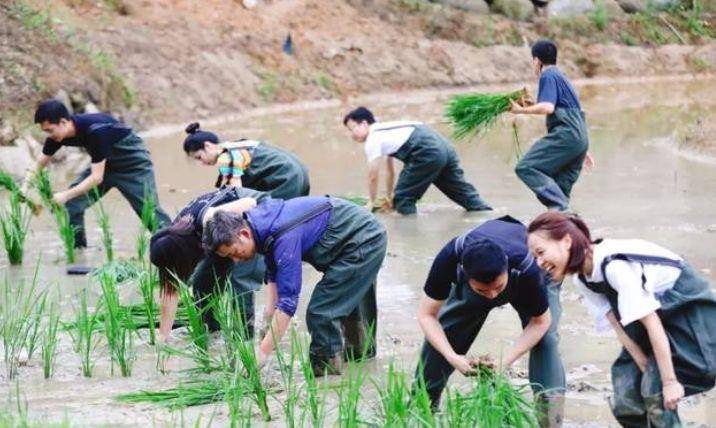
(359, 115)
(221, 229)
(546, 51)
(51, 111)
(483, 261)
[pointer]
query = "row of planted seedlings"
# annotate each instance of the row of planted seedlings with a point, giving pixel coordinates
(290, 387)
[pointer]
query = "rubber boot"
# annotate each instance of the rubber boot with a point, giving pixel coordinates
(356, 338)
(551, 410)
(326, 366)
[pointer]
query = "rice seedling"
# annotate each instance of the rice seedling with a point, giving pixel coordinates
(66, 230)
(117, 328)
(492, 402)
(50, 340)
(14, 223)
(287, 364)
(148, 282)
(105, 226)
(9, 183)
(476, 113)
(314, 392)
(83, 332)
(394, 394)
(195, 392)
(150, 223)
(349, 395)
(121, 270)
(421, 409)
(136, 315)
(240, 348)
(198, 334)
(33, 334)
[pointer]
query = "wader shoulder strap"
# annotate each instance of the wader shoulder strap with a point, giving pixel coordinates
(307, 216)
(642, 259)
(390, 128)
(220, 178)
(226, 194)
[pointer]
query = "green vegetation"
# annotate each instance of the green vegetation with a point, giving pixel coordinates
(50, 340)
(600, 16)
(82, 332)
(473, 114)
(267, 87)
(150, 223)
(118, 329)
(14, 223)
(148, 282)
(41, 181)
(106, 227)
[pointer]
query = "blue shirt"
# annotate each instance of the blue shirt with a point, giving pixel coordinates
(555, 88)
(283, 259)
(95, 132)
(528, 295)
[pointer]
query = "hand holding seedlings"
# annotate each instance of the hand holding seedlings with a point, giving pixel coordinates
(60, 198)
(465, 365)
(673, 392)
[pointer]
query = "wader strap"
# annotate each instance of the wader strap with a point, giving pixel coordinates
(220, 178)
(641, 259)
(218, 199)
(390, 128)
(309, 215)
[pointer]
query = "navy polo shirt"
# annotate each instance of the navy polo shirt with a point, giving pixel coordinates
(95, 132)
(555, 88)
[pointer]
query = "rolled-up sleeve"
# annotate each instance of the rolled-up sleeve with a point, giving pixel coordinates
(287, 260)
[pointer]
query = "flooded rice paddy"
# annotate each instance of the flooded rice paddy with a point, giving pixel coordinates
(643, 186)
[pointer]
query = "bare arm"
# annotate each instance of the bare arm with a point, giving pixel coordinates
(544, 108)
(435, 335)
(673, 391)
(169, 301)
(373, 175)
(94, 179)
(279, 325)
(236, 182)
(632, 347)
(389, 177)
(238, 206)
(531, 335)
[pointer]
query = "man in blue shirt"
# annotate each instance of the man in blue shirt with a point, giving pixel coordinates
(336, 237)
(118, 159)
(552, 165)
(489, 267)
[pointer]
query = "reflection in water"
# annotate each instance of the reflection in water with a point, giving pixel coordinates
(639, 189)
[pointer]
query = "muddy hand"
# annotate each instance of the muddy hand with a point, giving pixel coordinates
(515, 107)
(466, 366)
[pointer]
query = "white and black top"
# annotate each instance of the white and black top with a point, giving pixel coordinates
(386, 138)
(637, 284)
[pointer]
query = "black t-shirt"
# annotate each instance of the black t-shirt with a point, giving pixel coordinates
(527, 293)
(95, 132)
(193, 210)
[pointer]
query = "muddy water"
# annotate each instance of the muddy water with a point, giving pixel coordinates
(642, 187)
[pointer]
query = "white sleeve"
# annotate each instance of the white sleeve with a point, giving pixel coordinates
(633, 300)
(372, 147)
(597, 305)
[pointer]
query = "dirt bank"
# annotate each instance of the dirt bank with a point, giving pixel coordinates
(174, 60)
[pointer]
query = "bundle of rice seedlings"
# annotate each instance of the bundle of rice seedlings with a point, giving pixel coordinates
(476, 113)
(117, 328)
(9, 183)
(135, 315)
(382, 204)
(195, 392)
(14, 223)
(121, 270)
(492, 402)
(106, 227)
(66, 230)
(50, 340)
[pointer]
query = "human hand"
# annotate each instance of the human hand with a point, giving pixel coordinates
(673, 391)
(466, 366)
(370, 205)
(60, 198)
(588, 163)
(515, 108)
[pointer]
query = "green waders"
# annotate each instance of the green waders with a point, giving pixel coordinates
(129, 169)
(429, 159)
(688, 313)
(343, 304)
(462, 318)
(277, 172)
(552, 165)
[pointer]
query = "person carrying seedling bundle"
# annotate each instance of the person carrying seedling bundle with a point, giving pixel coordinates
(662, 311)
(177, 251)
(428, 159)
(552, 165)
(119, 159)
(338, 238)
(485, 268)
(248, 163)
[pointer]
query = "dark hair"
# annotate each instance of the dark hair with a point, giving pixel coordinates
(51, 111)
(359, 115)
(176, 250)
(221, 229)
(483, 261)
(546, 51)
(557, 225)
(196, 138)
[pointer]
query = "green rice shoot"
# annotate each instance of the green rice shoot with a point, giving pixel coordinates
(474, 114)
(66, 230)
(117, 328)
(83, 332)
(105, 227)
(50, 340)
(14, 224)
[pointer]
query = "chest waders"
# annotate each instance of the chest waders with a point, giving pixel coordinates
(129, 169)
(688, 313)
(212, 273)
(429, 159)
(553, 163)
(271, 170)
(462, 318)
(341, 316)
